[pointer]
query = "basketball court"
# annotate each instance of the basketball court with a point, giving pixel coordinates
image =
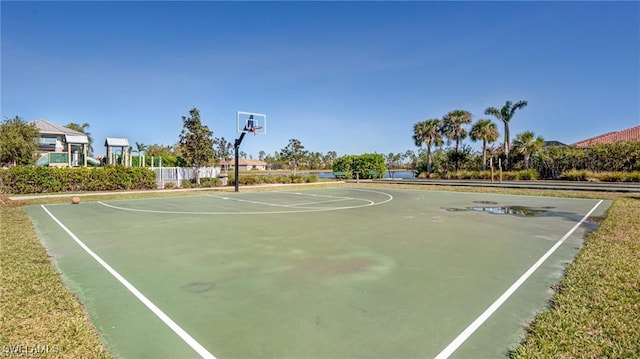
(337, 272)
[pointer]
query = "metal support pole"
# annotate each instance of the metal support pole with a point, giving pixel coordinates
(236, 148)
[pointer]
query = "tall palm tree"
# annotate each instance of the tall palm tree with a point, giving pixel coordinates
(429, 133)
(487, 131)
(527, 144)
(505, 114)
(82, 129)
(452, 126)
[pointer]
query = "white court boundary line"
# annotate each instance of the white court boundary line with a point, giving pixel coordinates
(159, 313)
(298, 210)
(296, 205)
(460, 339)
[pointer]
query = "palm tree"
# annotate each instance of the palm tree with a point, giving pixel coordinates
(527, 144)
(315, 160)
(82, 129)
(452, 126)
(452, 129)
(486, 131)
(505, 114)
(140, 147)
(428, 132)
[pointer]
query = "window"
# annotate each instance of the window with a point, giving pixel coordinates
(48, 142)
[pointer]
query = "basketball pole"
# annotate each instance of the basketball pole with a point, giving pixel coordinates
(236, 148)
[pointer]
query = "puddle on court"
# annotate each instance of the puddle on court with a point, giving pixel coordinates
(592, 223)
(520, 211)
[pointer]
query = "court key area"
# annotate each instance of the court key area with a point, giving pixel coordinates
(339, 272)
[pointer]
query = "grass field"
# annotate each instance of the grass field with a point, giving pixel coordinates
(596, 300)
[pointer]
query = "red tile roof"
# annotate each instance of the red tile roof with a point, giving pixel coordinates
(630, 134)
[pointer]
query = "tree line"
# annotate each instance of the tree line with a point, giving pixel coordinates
(196, 147)
(453, 127)
(526, 152)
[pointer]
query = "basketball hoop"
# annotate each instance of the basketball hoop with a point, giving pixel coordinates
(254, 130)
(255, 123)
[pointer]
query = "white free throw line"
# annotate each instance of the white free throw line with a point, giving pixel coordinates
(457, 342)
(159, 313)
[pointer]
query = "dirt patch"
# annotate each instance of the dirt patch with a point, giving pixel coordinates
(199, 287)
(6, 201)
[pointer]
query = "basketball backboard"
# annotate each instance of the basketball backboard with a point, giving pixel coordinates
(251, 122)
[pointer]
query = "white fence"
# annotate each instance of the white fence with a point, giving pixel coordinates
(175, 175)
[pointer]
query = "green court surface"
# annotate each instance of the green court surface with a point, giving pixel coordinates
(315, 273)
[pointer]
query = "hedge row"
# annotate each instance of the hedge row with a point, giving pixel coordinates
(551, 162)
(245, 180)
(21, 180)
(583, 175)
(256, 179)
(523, 175)
(204, 183)
(531, 174)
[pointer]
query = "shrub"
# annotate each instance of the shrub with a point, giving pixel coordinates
(574, 175)
(210, 182)
(366, 165)
(529, 175)
(612, 176)
(583, 175)
(169, 185)
(634, 176)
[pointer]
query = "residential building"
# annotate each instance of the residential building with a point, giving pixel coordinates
(70, 147)
(245, 164)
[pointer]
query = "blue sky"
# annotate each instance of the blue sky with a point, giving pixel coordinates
(350, 77)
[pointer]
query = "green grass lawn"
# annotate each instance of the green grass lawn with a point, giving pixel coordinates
(39, 316)
(594, 313)
(596, 310)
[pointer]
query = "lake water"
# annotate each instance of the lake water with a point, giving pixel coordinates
(394, 174)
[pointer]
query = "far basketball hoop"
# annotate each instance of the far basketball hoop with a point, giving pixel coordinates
(251, 122)
(255, 123)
